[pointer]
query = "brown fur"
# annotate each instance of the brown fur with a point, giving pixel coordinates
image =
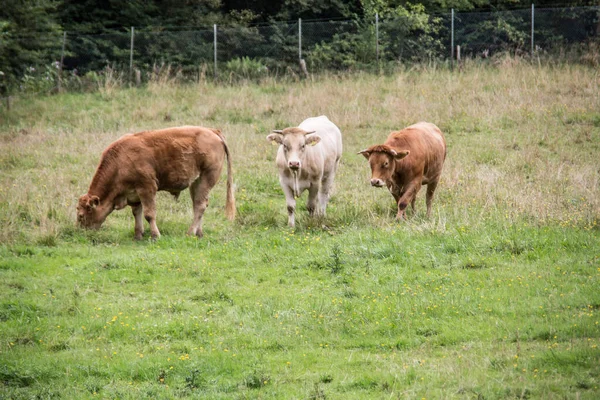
(133, 168)
(407, 160)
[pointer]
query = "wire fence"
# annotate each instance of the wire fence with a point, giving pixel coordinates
(278, 48)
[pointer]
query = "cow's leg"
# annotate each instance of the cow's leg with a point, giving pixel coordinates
(137, 210)
(147, 197)
(326, 187)
(291, 204)
(397, 194)
(407, 197)
(325, 193)
(199, 191)
(429, 196)
(313, 204)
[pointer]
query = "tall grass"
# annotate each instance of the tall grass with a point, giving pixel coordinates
(523, 142)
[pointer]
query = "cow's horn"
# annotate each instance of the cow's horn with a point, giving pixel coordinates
(277, 131)
(308, 133)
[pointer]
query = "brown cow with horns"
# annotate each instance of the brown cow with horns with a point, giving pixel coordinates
(407, 160)
(133, 168)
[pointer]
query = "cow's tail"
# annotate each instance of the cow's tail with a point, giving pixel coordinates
(230, 202)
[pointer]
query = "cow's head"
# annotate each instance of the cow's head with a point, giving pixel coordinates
(89, 214)
(382, 159)
(294, 142)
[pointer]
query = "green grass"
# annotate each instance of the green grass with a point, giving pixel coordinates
(496, 296)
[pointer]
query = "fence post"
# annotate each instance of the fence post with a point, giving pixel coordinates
(300, 59)
(377, 37)
(452, 39)
(131, 57)
(62, 59)
(215, 48)
(532, 26)
(299, 38)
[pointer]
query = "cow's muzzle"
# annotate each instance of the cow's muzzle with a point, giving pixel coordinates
(377, 182)
(294, 165)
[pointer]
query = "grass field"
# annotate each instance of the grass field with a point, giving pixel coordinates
(496, 296)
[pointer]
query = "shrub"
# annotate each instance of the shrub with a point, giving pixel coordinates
(246, 68)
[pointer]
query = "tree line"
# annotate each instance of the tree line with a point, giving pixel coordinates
(31, 31)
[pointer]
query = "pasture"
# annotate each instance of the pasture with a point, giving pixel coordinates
(496, 296)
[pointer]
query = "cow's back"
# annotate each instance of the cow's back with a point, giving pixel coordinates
(172, 157)
(421, 139)
(331, 137)
(432, 135)
(427, 147)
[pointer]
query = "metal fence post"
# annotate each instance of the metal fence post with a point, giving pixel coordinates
(299, 38)
(62, 59)
(377, 37)
(215, 47)
(300, 59)
(452, 38)
(131, 57)
(532, 26)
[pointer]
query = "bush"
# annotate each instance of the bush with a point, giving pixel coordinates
(246, 68)
(40, 80)
(345, 51)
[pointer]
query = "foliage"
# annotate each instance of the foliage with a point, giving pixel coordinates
(29, 38)
(410, 34)
(179, 33)
(42, 81)
(345, 51)
(245, 69)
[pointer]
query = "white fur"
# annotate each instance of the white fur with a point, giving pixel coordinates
(318, 167)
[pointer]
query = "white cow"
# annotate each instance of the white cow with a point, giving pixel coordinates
(308, 158)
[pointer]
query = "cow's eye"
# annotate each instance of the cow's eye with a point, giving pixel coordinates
(385, 164)
(303, 146)
(285, 147)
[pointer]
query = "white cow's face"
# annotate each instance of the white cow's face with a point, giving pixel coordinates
(294, 142)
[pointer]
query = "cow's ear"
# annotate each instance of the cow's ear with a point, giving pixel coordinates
(313, 139)
(94, 201)
(275, 137)
(401, 154)
(366, 153)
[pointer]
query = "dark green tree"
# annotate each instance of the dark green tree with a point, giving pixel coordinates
(29, 39)
(290, 10)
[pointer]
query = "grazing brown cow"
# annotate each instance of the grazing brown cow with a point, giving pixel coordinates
(408, 159)
(136, 166)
